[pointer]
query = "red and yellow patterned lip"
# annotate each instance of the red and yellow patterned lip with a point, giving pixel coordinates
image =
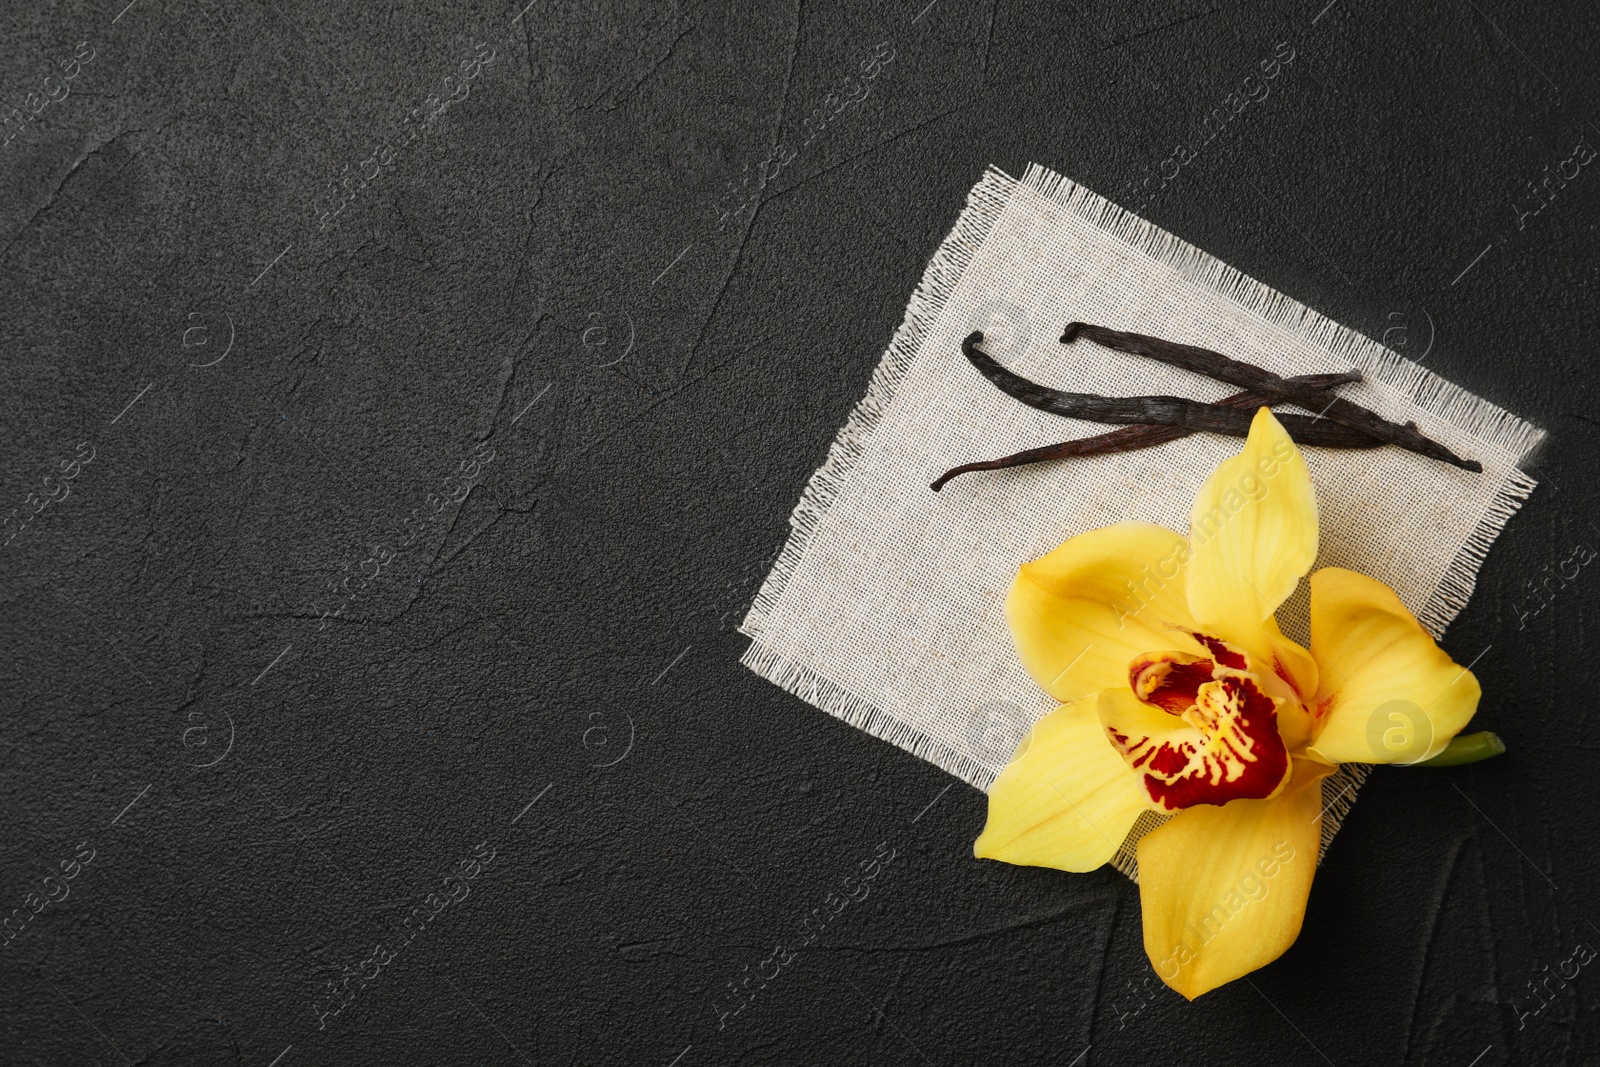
(1204, 731)
(1169, 680)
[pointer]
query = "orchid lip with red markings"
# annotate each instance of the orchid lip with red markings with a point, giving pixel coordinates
(1218, 740)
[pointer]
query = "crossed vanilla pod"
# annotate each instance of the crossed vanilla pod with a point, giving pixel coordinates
(1154, 420)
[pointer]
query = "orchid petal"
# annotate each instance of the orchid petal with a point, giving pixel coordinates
(1223, 889)
(1389, 694)
(1081, 612)
(1253, 534)
(1067, 800)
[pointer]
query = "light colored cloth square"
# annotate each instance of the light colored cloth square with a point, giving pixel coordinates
(885, 606)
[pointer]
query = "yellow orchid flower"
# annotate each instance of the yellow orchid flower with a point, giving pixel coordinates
(1180, 695)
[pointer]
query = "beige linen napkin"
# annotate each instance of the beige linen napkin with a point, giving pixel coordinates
(884, 608)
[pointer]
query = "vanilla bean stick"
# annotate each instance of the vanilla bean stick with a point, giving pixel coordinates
(1132, 438)
(1249, 376)
(1126, 411)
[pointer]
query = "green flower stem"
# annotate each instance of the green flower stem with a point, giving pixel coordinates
(1468, 748)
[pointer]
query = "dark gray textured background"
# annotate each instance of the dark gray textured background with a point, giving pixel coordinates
(562, 217)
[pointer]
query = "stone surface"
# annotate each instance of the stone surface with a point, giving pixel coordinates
(276, 684)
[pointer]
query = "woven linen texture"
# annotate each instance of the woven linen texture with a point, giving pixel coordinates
(885, 606)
